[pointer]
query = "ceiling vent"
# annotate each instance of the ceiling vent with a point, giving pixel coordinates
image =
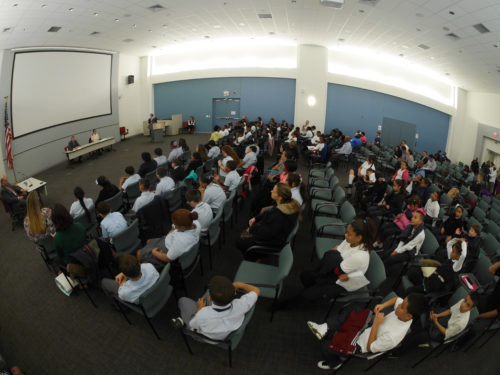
(371, 3)
(54, 29)
(481, 28)
(332, 3)
(423, 46)
(453, 36)
(128, 40)
(95, 33)
(156, 8)
(6, 30)
(265, 15)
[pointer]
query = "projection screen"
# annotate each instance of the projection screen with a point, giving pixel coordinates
(51, 88)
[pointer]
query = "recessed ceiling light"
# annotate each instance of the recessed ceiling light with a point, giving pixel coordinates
(134, 25)
(271, 33)
(451, 12)
(15, 5)
(241, 24)
(418, 29)
(150, 31)
(495, 45)
(43, 5)
(341, 39)
(71, 9)
(447, 74)
(361, 11)
(207, 37)
(401, 55)
(217, 26)
(154, 47)
(116, 20)
(96, 14)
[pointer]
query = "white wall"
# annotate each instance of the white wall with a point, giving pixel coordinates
(129, 96)
(2, 147)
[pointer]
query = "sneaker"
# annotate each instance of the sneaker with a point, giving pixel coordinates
(377, 245)
(325, 366)
(319, 330)
(178, 322)
(424, 345)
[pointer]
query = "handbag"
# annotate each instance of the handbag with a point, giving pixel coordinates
(65, 284)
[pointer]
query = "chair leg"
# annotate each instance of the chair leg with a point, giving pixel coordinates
(426, 356)
(209, 254)
(275, 300)
(329, 310)
(489, 338)
(150, 324)
(186, 342)
(122, 311)
(374, 363)
(87, 293)
(229, 353)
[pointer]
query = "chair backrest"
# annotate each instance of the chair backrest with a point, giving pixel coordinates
(445, 199)
(133, 190)
(83, 219)
(155, 297)
(459, 294)
(479, 214)
(128, 238)
(209, 164)
(494, 214)
(115, 202)
(376, 271)
(199, 171)
(293, 232)
(190, 257)
(213, 229)
(285, 262)
(481, 270)
(490, 244)
(492, 227)
(430, 244)
(174, 199)
(152, 218)
(151, 176)
(347, 212)
(329, 173)
(484, 205)
(228, 206)
(339, 195)
(186, 156)
(334, 181)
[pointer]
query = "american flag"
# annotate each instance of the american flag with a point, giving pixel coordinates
(8, 138)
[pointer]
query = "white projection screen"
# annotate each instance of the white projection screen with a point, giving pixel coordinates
(51, 88)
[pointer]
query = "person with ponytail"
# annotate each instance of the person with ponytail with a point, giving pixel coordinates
(82, 205)
(184, 235)
(229, 154)
(37, 223)
(298, 189)
(271, 227)
(342, 269)
(108, 189)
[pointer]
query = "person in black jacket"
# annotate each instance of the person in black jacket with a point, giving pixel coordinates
(393, 203)
(453, 226)
(273, 225)
(108, 189)
(194, 163)
(374, 195)
(147, 166)
(177, 173)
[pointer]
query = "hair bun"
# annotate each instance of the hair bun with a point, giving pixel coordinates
(194, 215)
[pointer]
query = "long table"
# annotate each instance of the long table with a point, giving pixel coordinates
(89, 147)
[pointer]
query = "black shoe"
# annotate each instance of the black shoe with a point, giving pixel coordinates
(177, 322)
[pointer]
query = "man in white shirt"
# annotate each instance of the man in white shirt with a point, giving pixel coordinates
(132, 281)
(166, 183)
(346, 148)
(218, 312)
(250, 157)
(112, 223)
(129, 179)
(457, 317)
(159, 157)
(431, 164)
(385, 333)
(145, 197)
(176, 151)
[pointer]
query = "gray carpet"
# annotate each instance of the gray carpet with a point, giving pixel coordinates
(45, 332)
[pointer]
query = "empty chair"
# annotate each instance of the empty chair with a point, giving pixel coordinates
(228, 213)
(335, 227)
(132, 192)
(173, 200)
(324, 193)
(128, 241)
(187, 263)
(152, 300)
(479, 214)
(494, 214)
(319, 172)
(268, 278)
(484, 205)
(328, 181)
(328, 208)
(115, 202)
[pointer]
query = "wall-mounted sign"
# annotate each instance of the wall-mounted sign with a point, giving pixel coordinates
(226, 93)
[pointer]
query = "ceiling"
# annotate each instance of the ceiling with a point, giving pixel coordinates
(396, 27)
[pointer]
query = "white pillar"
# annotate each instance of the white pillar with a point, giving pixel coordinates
(311, 85)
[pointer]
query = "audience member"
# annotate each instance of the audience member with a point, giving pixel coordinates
(69, 236)
(148, 165)
(159, 158)
(112, 223)
(211, 192)
(203, 209)
(108, 190)
(177, 172)
(145, 197)
(165, 184)
(176, 152)
(37, 223)
(82, 205)
(213, 150)
(130, 179)
(14, 197)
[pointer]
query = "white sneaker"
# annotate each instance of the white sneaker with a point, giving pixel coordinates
(319, 330)
(324, 366)
(378, 245)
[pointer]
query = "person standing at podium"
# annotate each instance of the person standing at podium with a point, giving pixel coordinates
(151, 120)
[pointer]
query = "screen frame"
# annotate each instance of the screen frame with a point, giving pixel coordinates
(66, 122)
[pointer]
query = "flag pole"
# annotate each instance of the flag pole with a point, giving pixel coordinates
(6, 98)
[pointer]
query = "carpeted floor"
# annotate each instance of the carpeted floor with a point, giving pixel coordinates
(47, 333)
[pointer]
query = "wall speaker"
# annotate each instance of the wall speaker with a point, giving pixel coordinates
(130, 79)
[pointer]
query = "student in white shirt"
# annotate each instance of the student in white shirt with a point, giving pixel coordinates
(129, 179)
(385, 333)
(204, 211)
(256, 145)
(316, 138)
(218, 312)
(229, 154)
(432, 207)
(250, 157)
(82, 205)
(368, 164)
(145, 197)
(176, 151)
(454, 320)
(232, 179)
(112, 223)
(159, 157)
(298, 190)
(214, 150)
(492, 178)
(411, 240)
(163, 250)
(166, 183)
(212, 193)
(132, 281)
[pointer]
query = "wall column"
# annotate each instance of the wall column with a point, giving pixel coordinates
(312, 81)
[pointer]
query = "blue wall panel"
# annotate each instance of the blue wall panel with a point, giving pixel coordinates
(265, 97)
(350, 108)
